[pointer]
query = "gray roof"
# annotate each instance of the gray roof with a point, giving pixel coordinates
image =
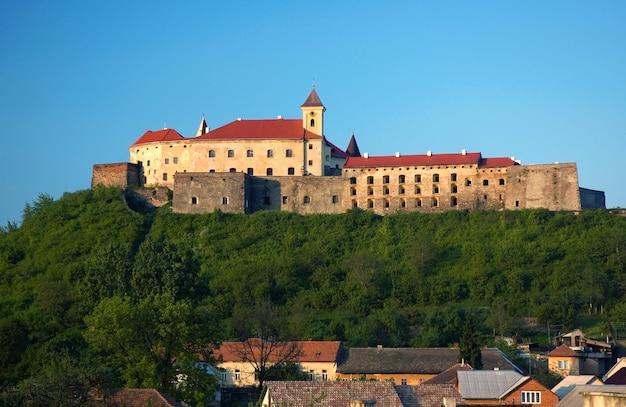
(488, 384)
(414, 360)
(575, 398)
(428, 395)
(569, 382)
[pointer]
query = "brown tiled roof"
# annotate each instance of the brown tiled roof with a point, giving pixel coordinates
(428, 395)
(309, 351)
(159, 135)
(270, 129)
(332, 394)
(312, 100)
(563, 350)
(414, 360)
(353, 148)
(336, 151)
(140, 398)
(448, 376)
(413, 160)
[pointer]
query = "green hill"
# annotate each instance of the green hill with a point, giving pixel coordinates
(399, 280)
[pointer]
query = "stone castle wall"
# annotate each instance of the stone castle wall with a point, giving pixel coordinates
(116, 174)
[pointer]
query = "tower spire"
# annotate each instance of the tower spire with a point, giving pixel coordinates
(203, 128)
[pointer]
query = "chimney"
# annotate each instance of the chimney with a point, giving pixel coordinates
(366, 155)
(397, 154)
(463, 152)
(429, 153)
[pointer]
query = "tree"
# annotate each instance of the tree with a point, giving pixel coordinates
(469, 351)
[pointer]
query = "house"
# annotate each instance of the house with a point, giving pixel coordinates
(137, 398)
(410, 366)
(578, 355)
(331, 394)
(239, 361)
(481, 387)
(569, 382)
(595, 395)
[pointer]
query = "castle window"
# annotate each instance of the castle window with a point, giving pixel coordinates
(211, 170)
(269, 171)
(232, 170)
(402, 203)
(270, 153)
(435, 202)
(485, 182)
(355, 203)
(454, 188)
(418, 178)
(453, 201)
(211, 153)
(312, 122)
(370, 180)
(370, 203)
(291, 171)
(224, 200)
(175, 160)
(310, 162)
(386, 179)
(418, 202)
(167, 161)
(370, 191)
(385, 190)
(468, 182)
(148, 163)
(453, 177)
(249, 153)
(307, 199)
(250, 171)
(266, 200)
(517, 204)
(435, 189)
(164, 176)
(485, 197)
(285, 200)
(231, 153)
(353, 180)
(353, 191)
(288, 153)
(418, 190)
(310, 146)
(401, 179)
(194, 200)
(386, 203)
(435, 177)
(335, 199)
(401, 190)
(501, 181)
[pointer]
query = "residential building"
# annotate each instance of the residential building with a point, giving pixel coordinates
(578, 355)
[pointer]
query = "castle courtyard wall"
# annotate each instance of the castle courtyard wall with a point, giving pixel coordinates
(115, 174)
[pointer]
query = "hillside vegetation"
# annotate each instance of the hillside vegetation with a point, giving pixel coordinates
(108, 295)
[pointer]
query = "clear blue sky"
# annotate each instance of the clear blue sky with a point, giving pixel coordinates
(541, 81)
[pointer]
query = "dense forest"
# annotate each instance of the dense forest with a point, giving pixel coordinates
(96, 295)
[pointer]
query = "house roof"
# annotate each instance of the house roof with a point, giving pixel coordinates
(335, 151)
(139, 398)
(575, 397)
(569, 382)
(313, 100)
(413, 160)
(353, 147)
(414, 360)
(308, 351)
(488, 384)
(564, 351)
(428, 395)
(621, 362)
(331, 394)
(618, 377)
(497, 162)
(448, 376)
(159, 135)
(271, 129)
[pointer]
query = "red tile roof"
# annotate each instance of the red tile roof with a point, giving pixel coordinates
(139, 398)
(309, 351)
(412, 160)
(563, 350)
(159, 135)
(336, 151)
(274, 129)
(497, 162)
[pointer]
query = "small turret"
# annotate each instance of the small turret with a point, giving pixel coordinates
(353, 148)
(313, 114)
(203, 128)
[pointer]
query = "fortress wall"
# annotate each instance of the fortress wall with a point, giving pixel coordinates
(116, 174)
(196, 192)
(551, 186)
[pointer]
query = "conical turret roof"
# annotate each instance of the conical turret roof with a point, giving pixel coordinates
(312, 100)
(353, 147)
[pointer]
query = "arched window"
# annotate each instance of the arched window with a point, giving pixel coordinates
(224, 200)
(353, 191)
(232, 170)
(355, 203)
(270, 153)
(418, 202)
(454, 201)
(435, 189)
(385, 190)
(435, 202)
(312, 122)
(501, 181)
(402, 203)
(386, 203)
(370, 203)
(370, 190)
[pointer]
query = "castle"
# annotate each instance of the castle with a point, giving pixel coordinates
(288, 164)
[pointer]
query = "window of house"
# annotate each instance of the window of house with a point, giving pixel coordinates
(285, 200)
(310, 146)
(563, 364)
(402, 203)
(485, 182)
(224, 376)
(353, 191)
(435, 177)
(386, 203)
(312, 122)
(454, 189)
(401, 179)
(266, 200)
(270, 153)
(250, 171)
(164, 176)
(324, 375)
(468, 182)
(401, 190)
(231, 153)
(291, 171)
(175, 159)
(355, 204)
(386, 179)
(435, 189)
(418, 178)
(211, 153)
(370, 191)
(435, 202)
(418, 190)
(307, 199)
(148, 163)
(453, 177)
(312, 375)
(224, 200)
(310, 162)
(249, 153)
(167, 161)
(453, 201)
(269, 171)
(501, 181)
(237, 375)
(418, 202)
(232, 170)
(288, 153)
(335, 199)
(370, 203)
(353, 180)
(370, 180)
(194, 200)
(531, 397)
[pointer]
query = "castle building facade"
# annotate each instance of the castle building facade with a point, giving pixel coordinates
(288, 164)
